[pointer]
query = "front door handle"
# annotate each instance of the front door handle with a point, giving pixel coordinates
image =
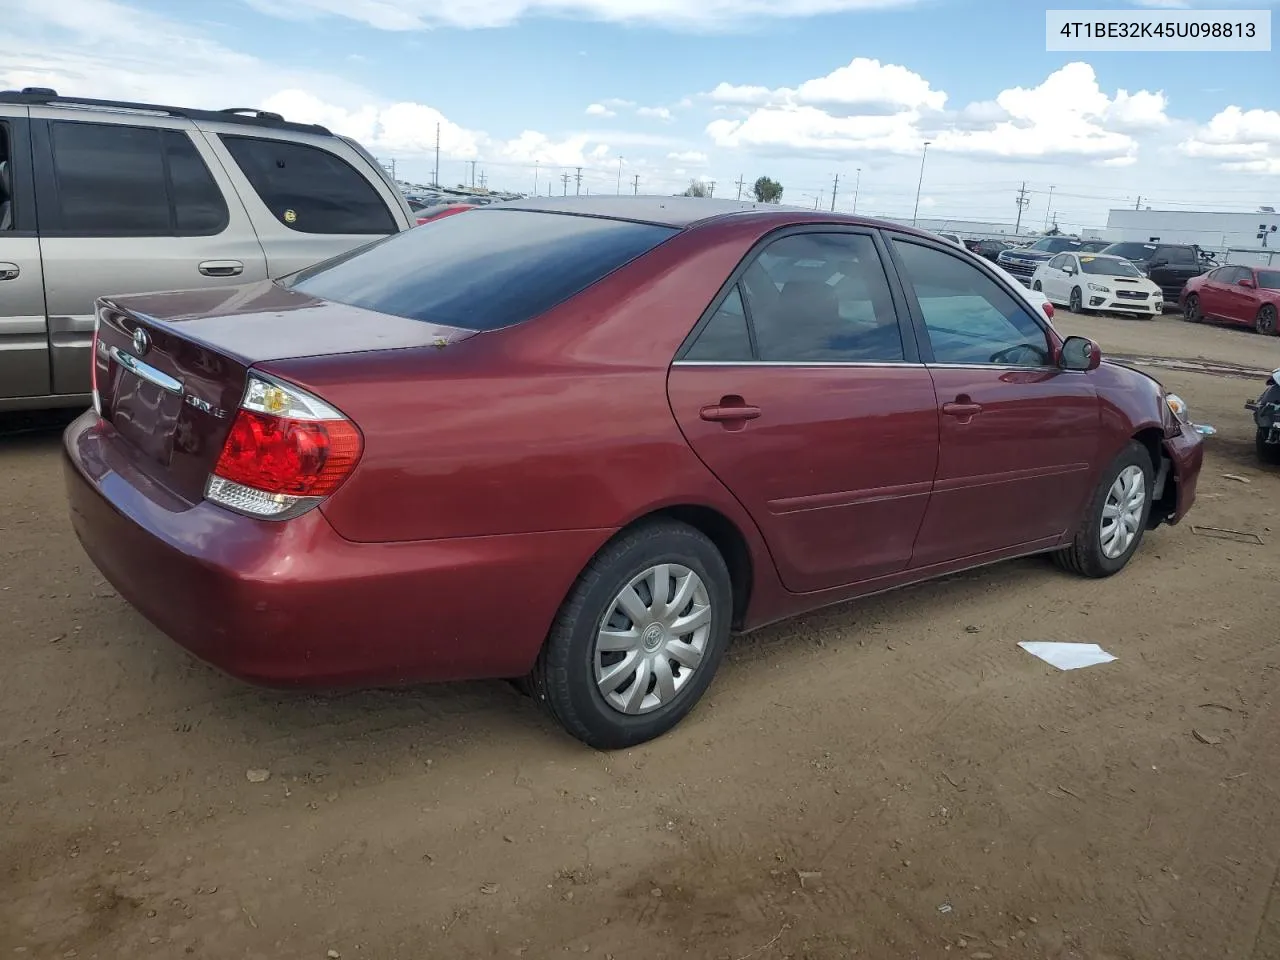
(730, 409)
(9, 271)
(222, 268)
(963, 409)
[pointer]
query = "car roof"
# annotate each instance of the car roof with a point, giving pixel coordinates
(678, 212)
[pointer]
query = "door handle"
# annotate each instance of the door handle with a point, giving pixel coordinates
(963, 409)
(9, 271)
(729, 410)
(222, 268)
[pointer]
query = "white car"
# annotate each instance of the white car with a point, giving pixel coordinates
(1085, 282)
(1035, 298)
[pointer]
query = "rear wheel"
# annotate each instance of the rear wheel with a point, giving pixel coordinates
(1076, 304)
(639, 639)
(1192, 312)
(1115, 519)
(1265, 324)
(1267, 452)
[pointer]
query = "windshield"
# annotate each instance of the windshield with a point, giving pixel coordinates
(483, 270)
(1269, 279)
(1093, 246)
(1055, 244)
(1131, 251)
(1108, 267)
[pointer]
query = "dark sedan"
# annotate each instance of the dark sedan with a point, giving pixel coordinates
(581, 441)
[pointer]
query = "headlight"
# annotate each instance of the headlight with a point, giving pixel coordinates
(1177, 405)
(1099, 287)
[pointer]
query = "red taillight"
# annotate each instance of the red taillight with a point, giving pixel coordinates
(1048, 309)
(299, 458)
(286, 451)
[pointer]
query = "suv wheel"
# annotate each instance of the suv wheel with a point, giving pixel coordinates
(1115, 519)
(639, 638)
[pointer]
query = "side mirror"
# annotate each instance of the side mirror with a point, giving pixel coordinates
(1246, 282)
(1080, 353)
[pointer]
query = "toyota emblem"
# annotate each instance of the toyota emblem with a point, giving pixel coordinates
(141, 342)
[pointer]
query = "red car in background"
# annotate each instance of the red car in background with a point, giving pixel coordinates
(579, 441)
(1234, 294)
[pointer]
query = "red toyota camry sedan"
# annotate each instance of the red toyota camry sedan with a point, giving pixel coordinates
(580, 442)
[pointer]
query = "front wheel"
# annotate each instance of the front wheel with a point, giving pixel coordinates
(1115, 519)
(1265, 324)
(1076, 304)
(1268, 453)
(1192, 312)
(639, 638)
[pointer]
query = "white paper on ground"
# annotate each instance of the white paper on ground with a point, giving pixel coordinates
(1067, 656)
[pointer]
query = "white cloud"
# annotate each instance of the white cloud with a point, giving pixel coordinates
(688, 156)
(747, 95)
(476, 14)
(600, 110)
(1243, 140)
(657, 113)
(869, 82)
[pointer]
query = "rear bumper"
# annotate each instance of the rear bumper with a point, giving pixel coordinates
(293, 603)
(1186, 456)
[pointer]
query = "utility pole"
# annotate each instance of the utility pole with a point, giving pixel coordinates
(578, 191)
(740, 184)
(711, 191)
(920, 182)
(484, 180)
(565, 178)
(535, 178)
(834, 187)
(619, 176)
(817, 200)
(1047, 207)
(635, 185)
(1138, 203)
(856, 184)
(435, 177)
(1023, 200)
(473, 174)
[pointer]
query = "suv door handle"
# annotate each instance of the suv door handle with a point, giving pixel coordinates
(9, 271)
(962, 409)
(729, 410)
(222, 268)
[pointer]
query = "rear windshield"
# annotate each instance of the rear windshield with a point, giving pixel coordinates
(1055, 244)
(1131, 251)
(483, 269)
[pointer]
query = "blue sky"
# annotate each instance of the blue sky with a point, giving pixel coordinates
(716, 89)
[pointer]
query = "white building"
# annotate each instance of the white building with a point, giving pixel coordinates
(1209, 229)
(967, 228)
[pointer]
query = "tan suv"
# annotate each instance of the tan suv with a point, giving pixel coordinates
(100, 197)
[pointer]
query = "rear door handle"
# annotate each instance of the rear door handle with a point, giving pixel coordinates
(961, 409)
(9, 271)
(727, 411)
(222, 268)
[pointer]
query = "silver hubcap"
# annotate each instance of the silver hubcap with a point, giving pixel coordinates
(652, 638)
(1122, 512)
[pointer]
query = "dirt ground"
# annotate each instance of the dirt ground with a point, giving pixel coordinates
(891, 778)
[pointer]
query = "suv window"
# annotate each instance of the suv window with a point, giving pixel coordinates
(822, 297)
(969, 317)
(725, 337)
(114, 180)
(309, 189)
(6, 180)
(489, 269)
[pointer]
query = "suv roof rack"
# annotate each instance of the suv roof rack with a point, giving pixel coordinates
(44, 96)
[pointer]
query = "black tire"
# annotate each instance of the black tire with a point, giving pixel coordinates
(1085, 555)
(1192, 312)
(1265, 323)
(1268, 453)
(1036, 287)
(1076, 304)
(563, 679)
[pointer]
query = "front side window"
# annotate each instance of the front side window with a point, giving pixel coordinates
(969, 317)
(481, 270)
(822, 297)
(309, 189)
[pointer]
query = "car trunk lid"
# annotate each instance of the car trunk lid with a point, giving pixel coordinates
(171, 367)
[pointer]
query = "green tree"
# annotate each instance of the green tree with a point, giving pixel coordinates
(697, 188)
(767, 190)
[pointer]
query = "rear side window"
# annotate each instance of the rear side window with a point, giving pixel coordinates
(725, 338)
(482, 269)
(113, 180)
(309, 189)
